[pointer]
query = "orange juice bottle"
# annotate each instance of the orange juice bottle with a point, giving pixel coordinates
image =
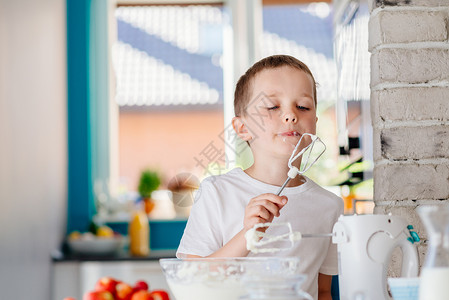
(139, 234)
(348, 196)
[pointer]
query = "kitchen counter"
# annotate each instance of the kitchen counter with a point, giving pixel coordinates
(67, 256)
(73, 275)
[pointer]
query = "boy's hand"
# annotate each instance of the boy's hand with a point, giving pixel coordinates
(263, 209)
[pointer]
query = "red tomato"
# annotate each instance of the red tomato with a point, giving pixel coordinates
(142, 295)
(160, 295)
(123, 291)
(106, 284)
(141, 285)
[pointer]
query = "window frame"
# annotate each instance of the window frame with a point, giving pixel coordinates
(88, 106)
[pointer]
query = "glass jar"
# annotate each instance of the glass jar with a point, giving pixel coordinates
(282, 288)
(434, 276)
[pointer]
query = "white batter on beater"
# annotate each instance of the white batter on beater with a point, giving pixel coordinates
(257, 240)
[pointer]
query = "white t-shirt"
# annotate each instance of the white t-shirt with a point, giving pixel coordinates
(219, 208)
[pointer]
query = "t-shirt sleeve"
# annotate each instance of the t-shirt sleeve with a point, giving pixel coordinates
(330, 263)
(202, 235)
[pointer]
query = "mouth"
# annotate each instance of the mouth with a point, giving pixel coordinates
(289, 134)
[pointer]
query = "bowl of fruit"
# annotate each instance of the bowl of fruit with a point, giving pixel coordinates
(100, 241)
(109, 288)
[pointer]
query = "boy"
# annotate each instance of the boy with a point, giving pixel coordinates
(275, 103)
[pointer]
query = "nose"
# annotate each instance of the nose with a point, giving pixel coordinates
(290, 117)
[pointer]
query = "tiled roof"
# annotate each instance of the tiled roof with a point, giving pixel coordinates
(147, 80)
(302, 24)
(169, 55)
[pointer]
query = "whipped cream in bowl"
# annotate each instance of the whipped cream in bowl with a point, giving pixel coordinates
(225, 278)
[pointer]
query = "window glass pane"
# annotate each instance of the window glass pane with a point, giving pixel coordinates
(168, 55)
(305, 31)
(169, 87)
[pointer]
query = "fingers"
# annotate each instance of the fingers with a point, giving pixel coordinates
(262, 212)
(253, 221)
(279, 200)
(269, 202)
(263, 209)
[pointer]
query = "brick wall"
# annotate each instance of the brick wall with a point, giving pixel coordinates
(409, 47)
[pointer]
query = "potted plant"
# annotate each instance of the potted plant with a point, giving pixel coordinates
(149, 182)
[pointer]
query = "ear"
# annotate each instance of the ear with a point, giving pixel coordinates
(316, 121)
(241, 129)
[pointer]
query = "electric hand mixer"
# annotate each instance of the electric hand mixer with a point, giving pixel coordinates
(254, 241)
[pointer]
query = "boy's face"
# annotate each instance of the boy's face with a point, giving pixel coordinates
(280, 110)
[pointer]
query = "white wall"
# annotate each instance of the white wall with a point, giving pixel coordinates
(33, 138)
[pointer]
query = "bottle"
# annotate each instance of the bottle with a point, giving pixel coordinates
(434, 278)
(347, 193)
(139, 234)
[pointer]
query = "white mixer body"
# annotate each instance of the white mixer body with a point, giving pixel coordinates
(365, 244)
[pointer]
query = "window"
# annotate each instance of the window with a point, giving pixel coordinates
(168, 64)
(157, 49)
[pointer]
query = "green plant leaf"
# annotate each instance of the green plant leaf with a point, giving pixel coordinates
(149, 182)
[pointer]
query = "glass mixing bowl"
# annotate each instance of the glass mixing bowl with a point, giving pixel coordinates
(230, 278)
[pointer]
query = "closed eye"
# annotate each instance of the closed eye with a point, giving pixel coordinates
(302, 107)
(273, 107)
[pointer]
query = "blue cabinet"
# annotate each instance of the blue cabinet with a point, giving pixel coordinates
(164, 234)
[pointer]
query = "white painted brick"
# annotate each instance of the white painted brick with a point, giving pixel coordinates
(375, 34)
(403, 143)
(408, 181)
(374, 107)
(406, 104)
(400, 186)
(409, 65)
(407, 26)
(404, 209)
(375, 76)
(422, 251)
(431, 3)
(408, 3)
(377, 149)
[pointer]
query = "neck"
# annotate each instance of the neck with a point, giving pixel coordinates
(273, 172)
